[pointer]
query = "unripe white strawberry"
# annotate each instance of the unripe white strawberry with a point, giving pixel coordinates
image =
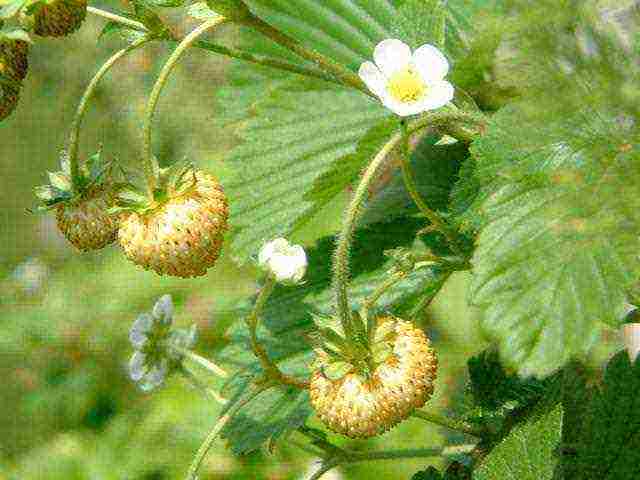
(399, 378)
(82, 204)
(86, 222)
(13, 69)
(182, 236)
(9, 97)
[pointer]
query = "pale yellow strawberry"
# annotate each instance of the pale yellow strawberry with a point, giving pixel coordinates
(182, 236)
(361, 405)
(86, 222)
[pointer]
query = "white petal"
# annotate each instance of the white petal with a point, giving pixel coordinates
(270, 248)
(163, 310)
(392, 55)
(137, 367)
(438, 95)
(372, 77)
(430, 62)
(402, 109)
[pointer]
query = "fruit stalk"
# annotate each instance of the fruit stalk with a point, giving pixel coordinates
(155, 96)
(410, 184)
(198, 385)
(84, 103)
(203, 362)
(271, 370)
(443, 421)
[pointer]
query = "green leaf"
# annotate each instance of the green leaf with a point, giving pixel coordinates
(288, 321)
(609, 444)
(128, 34)
(301, 132)
(530, 450)
(201, 11)
(430, 473)
(60, 181)
(559, 210)
(11, 9)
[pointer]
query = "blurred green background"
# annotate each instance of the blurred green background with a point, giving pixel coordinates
(69, 410)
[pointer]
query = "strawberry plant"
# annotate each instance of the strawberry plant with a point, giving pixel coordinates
(493, 138)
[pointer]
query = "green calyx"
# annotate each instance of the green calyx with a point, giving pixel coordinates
(63, 187)
(338, 355)
(171, 182)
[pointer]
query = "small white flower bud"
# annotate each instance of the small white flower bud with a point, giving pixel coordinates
(286, 262)
(631, 335)
(163, 310)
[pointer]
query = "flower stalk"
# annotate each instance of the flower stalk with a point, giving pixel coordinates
(450, 423)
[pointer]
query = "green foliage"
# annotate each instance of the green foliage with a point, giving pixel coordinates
(287, 322)
(560, 225)
(608, 445)
(530, 450)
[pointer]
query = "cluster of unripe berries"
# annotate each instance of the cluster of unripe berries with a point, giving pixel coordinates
(44, 18)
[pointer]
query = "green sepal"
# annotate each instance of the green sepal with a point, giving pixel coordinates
(60, 180)
(337, 369)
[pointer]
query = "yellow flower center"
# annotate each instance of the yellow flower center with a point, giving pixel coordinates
(406, 86)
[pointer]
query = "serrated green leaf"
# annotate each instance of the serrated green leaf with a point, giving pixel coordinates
(531, 449)
(560, 217)
(287, 320)
(300, 133)
(608, 447)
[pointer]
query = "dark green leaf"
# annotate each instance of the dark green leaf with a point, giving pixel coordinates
(430, 473)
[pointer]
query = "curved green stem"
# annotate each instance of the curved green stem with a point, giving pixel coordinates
(270, 368)
(157, 90)
(117, 18)
(410, 184)
(215, 431)
(343, 74)
(443, 421)
(199, 385)
(342, 253)
(203, 362)
(84, 103)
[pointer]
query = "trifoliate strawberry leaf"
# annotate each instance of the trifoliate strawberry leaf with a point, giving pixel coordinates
(531, 449)
(559, 210)
(609, 444)
(288, 321)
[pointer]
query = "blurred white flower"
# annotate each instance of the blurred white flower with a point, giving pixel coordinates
(286, 262)
(407, 83)
(152, 338)
(31, 275)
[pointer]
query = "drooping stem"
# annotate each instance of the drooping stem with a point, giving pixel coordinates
(344, 75)
(84, 103)
(410, 184)
(203, 362)
(157, 90)
(343, 250)
(270, 368)
(443, 421)
(228, 51)
(199, 385)
(215, 431)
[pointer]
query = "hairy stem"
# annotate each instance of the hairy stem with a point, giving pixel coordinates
(410, 184)
(215, 431)
(199, 385)
(343, 250)
(157, 90)
(344, 75)
(270, 368)
(200, 360)
(229, 51)
(450, 423)
(84, 103)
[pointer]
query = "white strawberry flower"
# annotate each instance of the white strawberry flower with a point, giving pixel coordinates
(286, 262)
(407, 83)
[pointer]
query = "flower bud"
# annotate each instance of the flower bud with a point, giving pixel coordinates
(631, 334)
(286, 262)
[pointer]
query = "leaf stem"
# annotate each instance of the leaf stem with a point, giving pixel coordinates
(84, 103)
(450, 423)
(157, 90)
(372, 299)
(270, 368)
(229, 51)
(410, 184)
(117, 18)
(199, 385)
(343, 74)
(200, 360)
(215, 431)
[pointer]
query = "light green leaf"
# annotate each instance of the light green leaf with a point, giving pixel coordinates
(560, 234)
(530, 451)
